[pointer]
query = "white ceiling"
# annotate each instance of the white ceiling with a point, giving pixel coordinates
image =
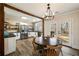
(40, 8)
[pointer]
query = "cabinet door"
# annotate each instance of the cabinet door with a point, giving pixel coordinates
(12, 44)
(6, 46)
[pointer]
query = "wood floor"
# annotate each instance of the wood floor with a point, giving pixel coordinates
(24, 48)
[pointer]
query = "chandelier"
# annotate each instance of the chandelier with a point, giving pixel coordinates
(49, 15)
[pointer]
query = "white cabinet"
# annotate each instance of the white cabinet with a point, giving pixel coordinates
(17, 36)
(32, 34)
(9, 45)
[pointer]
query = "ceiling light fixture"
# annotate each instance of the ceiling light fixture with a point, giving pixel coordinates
(49, 15)
(23, 17)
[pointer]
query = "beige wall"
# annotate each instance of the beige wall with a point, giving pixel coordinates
(75, 30)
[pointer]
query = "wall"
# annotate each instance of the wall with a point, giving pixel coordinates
(75, 30)
(73, 19)
(60, 19)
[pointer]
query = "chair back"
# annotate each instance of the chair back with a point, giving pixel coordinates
(34, 47)
(52, 50)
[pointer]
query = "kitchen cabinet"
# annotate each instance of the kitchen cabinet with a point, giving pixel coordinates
(9, 45)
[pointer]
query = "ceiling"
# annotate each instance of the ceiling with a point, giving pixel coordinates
(39, 9)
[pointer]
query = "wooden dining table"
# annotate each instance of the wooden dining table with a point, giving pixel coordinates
(46, 42)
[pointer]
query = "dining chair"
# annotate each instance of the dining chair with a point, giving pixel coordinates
(34, 52)
(52, 50)
(37, 49)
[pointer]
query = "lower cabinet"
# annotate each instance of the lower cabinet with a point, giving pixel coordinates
(9, 45)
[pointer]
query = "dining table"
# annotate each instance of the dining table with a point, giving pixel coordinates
(48, 41)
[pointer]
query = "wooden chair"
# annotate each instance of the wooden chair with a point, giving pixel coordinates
(52, 50)
(35, 50)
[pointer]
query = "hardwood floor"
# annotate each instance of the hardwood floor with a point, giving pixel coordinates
(24, 48)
